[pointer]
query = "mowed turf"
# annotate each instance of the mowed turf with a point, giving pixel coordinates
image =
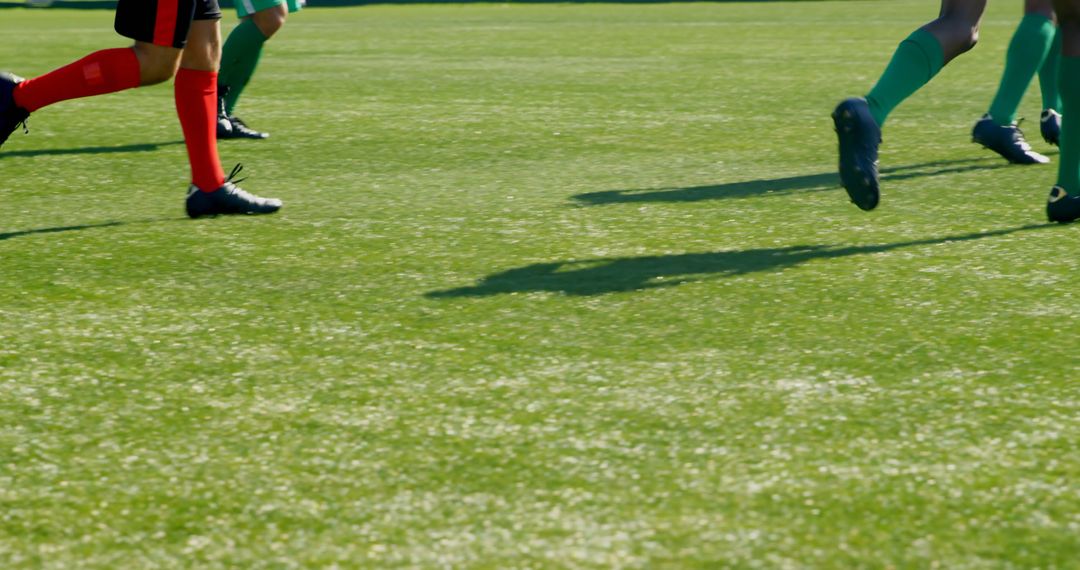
(554, 286)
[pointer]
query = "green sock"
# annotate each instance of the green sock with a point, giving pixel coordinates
(1069, 159)
(916, 61)
(239, 57)
(1026, 54)
(1048, 76)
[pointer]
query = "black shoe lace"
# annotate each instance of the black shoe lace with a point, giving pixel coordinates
(237, 191)
(232, 175)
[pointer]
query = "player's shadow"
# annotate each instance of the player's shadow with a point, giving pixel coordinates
(140, 147)
(780, 186)
(60, 229)
(613, 275)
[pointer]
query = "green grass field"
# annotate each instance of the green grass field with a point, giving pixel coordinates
(554, 287)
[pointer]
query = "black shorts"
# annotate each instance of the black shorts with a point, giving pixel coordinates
(162, 22)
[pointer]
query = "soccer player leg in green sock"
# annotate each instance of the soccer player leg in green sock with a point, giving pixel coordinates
(1069, 169)
(260, 20)
(240, 56)
(918, 58)
(1031, 43)
(1050, 120)
(1048, 75)
(916, 61)
(1064, 202)
(1028, 49)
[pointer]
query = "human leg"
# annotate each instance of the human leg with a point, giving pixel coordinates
(98, 73)
(1048, 74)
(1064, 202)
(1050, 119)
(923, 54)
(1028, 51)
(152, 59)
(195, 92)
(260, 21)
(1030, 46)
(243, 49)
(196, 105)
(916, 61)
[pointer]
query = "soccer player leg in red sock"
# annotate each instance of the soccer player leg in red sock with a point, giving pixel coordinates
(196, 105)
(153, 59)
(101, 72)
(161, 30)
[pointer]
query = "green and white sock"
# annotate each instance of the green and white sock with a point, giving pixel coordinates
(916, 61)
(1027, 52)
(239, 58)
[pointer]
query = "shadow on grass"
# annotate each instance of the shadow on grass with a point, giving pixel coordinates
(9, 235)
(60, 229)
(779, 186)
(141, 147)
(613, 275)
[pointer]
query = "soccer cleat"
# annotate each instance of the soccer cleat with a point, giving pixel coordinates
(224, 125)
(859, 137)
(1050, 126)
(229, 199)
(224, 128)
(1061, 207)
(1008, 141)
(231, 127)
(11, 115)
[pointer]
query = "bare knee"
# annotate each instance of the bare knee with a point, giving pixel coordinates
(270, 20)
(957, 26)
(203, 51)
(157, 64)
(956, 36)
(963, 33)
(159, 72)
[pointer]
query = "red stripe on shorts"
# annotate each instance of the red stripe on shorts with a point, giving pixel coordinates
(165, 22)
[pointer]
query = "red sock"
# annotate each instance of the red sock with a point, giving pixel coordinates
(196, 104)
(101, 72)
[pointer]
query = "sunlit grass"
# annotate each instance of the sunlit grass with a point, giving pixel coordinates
(554, 286)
